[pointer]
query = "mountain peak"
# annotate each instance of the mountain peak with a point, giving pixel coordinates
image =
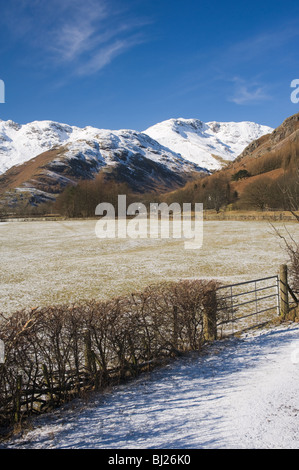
(208, 144)
(180, 125)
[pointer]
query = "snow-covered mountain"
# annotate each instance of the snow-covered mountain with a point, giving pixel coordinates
(210, 144)
(20, 143)
(41, 158)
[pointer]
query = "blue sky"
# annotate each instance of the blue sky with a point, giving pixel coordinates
(115, 64)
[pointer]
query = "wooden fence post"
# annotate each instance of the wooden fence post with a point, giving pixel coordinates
(47, 382)
(90, 365)
(18, 397)
(210, 315)
(175, 327)
(284, 298)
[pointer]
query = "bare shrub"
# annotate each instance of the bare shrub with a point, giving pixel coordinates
(55, 353)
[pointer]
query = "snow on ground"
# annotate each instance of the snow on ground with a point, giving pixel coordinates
(238, 393)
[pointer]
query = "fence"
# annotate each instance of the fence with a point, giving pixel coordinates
(254, 303)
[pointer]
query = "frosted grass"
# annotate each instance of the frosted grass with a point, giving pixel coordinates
(46, 262)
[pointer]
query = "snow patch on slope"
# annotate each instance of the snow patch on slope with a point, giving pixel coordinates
(207, 144)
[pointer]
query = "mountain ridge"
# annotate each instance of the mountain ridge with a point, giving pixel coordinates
(126, 156)
(21, 142)
(39, 159)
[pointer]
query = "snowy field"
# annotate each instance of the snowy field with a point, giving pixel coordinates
(57, 262)
(236, 393)
(239, 393)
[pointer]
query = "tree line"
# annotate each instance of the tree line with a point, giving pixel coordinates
(214, 191)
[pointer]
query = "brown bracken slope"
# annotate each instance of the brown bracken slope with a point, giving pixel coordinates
(270, 155)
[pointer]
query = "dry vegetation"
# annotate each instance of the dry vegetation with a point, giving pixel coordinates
(55, 353)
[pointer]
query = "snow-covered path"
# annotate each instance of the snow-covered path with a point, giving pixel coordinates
(239, 393)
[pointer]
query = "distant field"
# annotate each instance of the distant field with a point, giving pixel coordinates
(63, 262)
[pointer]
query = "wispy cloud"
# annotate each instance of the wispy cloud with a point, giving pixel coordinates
(81, 35)
(106, 54)
(248, 93)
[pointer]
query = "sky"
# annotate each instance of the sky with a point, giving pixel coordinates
(116, 64)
